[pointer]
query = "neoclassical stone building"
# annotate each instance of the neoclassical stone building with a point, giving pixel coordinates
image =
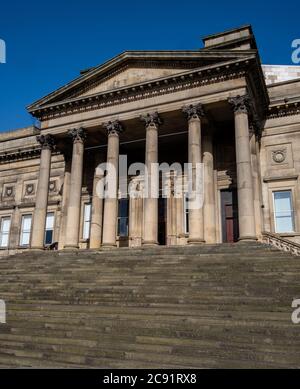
(217, 105)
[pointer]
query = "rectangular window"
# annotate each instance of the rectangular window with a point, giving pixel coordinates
(4, 231)
(49, 228)
(186, 213)
(123, 217)
(283, 211)
(87, 213)
(25, 230)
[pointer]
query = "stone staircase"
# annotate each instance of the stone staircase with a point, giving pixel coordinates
(216, 306)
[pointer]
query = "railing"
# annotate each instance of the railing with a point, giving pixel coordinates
(280, 243)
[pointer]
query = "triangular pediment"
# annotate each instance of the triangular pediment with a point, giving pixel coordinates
(130, 76)
(133, 68)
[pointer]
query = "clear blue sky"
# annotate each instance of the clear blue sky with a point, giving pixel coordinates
(49, 42)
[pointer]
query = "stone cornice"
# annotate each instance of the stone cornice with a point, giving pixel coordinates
(20, 155)
(190, 79)
(283, 109)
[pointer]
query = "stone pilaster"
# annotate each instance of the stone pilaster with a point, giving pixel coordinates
(241, 106)
(111, 203)
(40, 212)
(150, 231)
(74, 207)
(194, 113)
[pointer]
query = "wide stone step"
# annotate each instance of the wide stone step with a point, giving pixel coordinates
(210, 306)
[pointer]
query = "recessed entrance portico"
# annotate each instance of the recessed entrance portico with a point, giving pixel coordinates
(172, 223)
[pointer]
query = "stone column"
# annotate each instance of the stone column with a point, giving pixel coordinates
(41, 202)
(135, 212)
(150, 231)
(111, 203)
(74, 207)
(65, 200)
(247, 229)
(209, 190)
(194, 113)
(97, 208)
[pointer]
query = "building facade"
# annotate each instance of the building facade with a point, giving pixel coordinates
(217, 106)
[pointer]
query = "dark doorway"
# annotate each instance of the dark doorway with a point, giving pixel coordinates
(230, 225)
(162, 221)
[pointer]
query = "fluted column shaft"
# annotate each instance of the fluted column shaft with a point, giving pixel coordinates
(150, 230)
(74, 206)
(40, 212)
(194, 114)
(245, 188)
(111, 202)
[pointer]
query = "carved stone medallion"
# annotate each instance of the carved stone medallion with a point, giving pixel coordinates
(279, 156)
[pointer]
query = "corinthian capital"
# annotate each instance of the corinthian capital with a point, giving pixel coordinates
(77, 134)
(151, 119)
(46, 141)
(240, 103)
(193, 111)
(114, 128)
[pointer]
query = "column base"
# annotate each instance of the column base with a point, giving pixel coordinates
(247, 239)
(37, 248)
(196, 242)
(108, 246)
(71, 248)
(149, 243)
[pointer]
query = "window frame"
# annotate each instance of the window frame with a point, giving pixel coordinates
(49, 229)
(27, 231)
(119, 218)
(292, 211)
(87, 221)
(186, 213)
(2, 218)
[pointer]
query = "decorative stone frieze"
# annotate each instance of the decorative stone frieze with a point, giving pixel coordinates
(281, 110)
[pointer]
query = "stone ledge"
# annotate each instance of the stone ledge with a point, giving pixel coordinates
(281, 178)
